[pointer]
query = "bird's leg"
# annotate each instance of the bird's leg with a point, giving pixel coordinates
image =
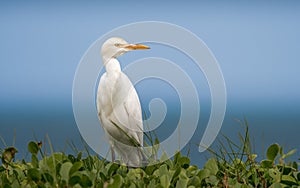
(112, 154)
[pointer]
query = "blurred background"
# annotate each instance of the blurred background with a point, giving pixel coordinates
(256, 45)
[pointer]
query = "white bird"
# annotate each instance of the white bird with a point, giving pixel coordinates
(118, 104)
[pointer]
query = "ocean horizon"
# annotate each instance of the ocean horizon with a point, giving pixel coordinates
(266, 126)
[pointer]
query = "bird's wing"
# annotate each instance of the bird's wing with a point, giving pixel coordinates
(127, 107)
(103, 100)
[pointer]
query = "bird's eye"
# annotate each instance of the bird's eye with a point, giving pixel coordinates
(117, 44)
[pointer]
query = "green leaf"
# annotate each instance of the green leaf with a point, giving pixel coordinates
(34, 174)
(163, 169)
(88, 162)
(8, 154)
(266, 163)
(245, 186)
(150, 169)
(102, 176)
(276, 185)
(164, 180)
(295, 165)
(5, 181)
(79, 155)
(52, 162)
(275, 174)
(253, 156)
(176, 173)
(212, 166)
(176, 157)
(213, 180)
(46, 177)
(204, 173)
(2, 169)
(116, 183)
(112, 169)
(192, 168)
(164, 157)
(184, 162)
(284, 156)
(34, 161)
(18, 173)
(86, 181)
(76, 166)
(33, 148)
(152, 184)
(298, 176)
(183, 174)
(195, 181)
(72, 158)
(286, 170)
(288, 180)
(64, 170)
(74, 180)
(273, 151)
(181, 183)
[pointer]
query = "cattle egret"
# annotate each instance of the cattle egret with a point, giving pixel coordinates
(118, 104)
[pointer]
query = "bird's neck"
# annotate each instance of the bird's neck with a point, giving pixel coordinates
(112, 66)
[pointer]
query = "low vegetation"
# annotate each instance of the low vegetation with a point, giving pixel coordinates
(232, 165)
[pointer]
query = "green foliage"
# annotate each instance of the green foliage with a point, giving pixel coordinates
(272, 152)
(236, 166)
(232, 165)
(33, 147)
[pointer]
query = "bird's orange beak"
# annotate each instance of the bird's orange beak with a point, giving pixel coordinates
(136, 47)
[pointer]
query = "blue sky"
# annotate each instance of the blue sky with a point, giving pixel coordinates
(256, 45)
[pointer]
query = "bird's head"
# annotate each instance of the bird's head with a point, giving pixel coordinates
(114, 47)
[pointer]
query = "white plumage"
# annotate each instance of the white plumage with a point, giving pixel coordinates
(118, 105)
